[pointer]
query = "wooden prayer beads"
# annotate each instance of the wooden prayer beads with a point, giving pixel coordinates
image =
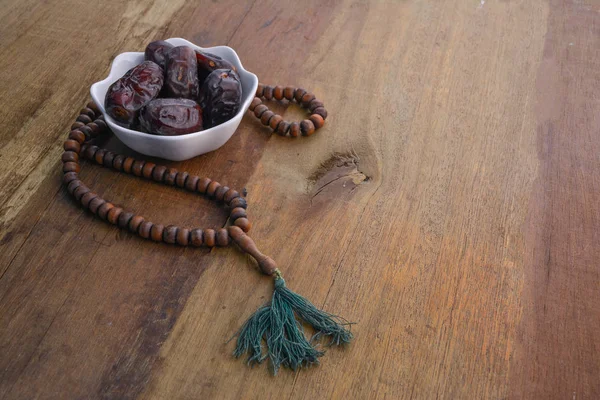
(90, 125)
(276, 122)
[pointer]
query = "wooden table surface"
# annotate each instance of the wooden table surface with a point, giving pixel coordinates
(449, 207)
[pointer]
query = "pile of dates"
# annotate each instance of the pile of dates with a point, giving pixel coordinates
(175, 91)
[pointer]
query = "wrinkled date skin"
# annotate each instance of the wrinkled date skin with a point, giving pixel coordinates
(181, 75)
(171, 117)
(131, 92)
(157, 52)
(220, 97)
(207, 63)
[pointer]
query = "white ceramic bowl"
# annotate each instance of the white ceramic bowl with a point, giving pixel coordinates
(176, 148)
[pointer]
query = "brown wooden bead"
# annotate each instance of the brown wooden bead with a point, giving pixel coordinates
(212, 188)
(238, 202)
(266, 117)
(99, 156)
(230, 195)
(278, 92)
(275, 121)
(148, 169)
(137, 167)
(220, 192)
(259, 110)
(87, 198)
(90, 152)
(259, 90)
(109, 157)
(320, 111)
(69, 177)
(197, 237)
(191, 183)
(306, 99)
(73, 185)
(295, 129)
(95, 129)
(84, 118)
(71, 167)
(159, 173)
(87, 132)
(170, 176)
(156, 233)
(80, 191)
(101, 124)
(223, 238)
(145, 229)
(72, 145)
(113, 215)
(210, 237)
(135, 222)
(203, 185)
(317, 121)
(181, 178)
(118, 162)
(170, 234)
(268, 92)
(95, 204)
(238, 212)
(243, 223)
(104, 209)
(315, 103)
(77, 135)
(288, 93)
(70, 156)
(307, 128)
(91, 105)
(77, 125)
(90, 113)
(256, 101)
(128, 164)
(124, 218)
(183, 237)
(283, 128)
(298, 95)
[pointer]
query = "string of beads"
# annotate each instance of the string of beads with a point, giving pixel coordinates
(90, 126)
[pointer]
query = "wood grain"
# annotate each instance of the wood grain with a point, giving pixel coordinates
(449, 206)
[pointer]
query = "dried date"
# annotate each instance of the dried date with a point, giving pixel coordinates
(170, 117)
(208, 62)
(181, 74)
(220, 97)
(131, 92)
(157, 52)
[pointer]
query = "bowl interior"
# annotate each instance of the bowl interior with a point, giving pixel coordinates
(125, 61)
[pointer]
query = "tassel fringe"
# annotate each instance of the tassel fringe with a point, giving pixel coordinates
(279, 325)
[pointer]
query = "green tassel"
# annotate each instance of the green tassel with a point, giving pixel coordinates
(279, 325)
